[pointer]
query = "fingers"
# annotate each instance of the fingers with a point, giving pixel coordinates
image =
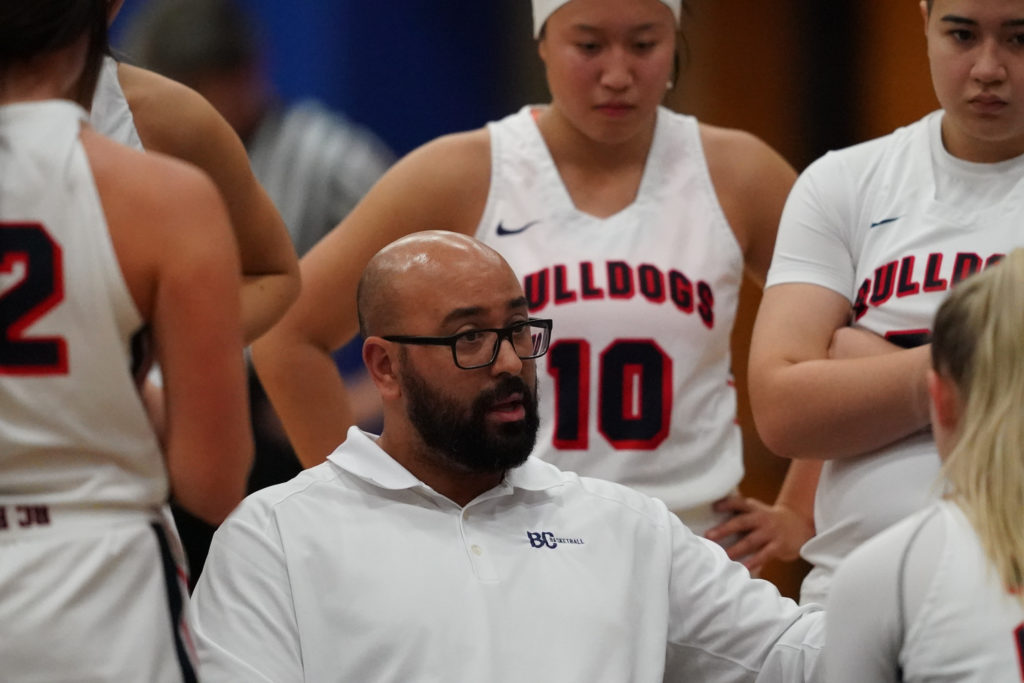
(750, 544)
(756, 562)
(734, 525)
(733, 503)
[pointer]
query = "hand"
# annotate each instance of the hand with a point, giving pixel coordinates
(765, 532)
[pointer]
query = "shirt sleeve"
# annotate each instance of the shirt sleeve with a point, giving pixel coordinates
(726, 626)
(813, 244)
(238, 638)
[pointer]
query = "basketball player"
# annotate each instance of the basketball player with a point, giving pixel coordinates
(946, 583)
(871, 240)
(100, 244)
(631, 226)
(143, 110)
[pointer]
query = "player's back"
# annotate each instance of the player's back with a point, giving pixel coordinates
(74, 428)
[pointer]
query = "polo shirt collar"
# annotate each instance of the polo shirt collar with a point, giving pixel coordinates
(360, 455)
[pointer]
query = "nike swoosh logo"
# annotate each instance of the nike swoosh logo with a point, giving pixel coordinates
(502, 230)
(884, 221)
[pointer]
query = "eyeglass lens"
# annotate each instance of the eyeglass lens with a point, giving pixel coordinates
(480, 348)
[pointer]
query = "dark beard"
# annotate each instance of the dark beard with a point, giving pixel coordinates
(470, 443)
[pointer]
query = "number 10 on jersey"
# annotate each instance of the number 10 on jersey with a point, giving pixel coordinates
(634, 401)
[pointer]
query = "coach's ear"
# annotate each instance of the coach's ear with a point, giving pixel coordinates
(380, 358)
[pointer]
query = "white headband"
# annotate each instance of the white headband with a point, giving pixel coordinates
(542, 9)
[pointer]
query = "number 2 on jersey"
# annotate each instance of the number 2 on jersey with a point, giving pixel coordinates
(634, 393)
(31, 284)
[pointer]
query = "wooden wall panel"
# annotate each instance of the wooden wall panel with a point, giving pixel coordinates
(894, 87)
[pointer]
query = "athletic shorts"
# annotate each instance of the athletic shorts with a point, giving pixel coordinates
(91, 596)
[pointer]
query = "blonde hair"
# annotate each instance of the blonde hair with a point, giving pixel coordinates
(976, 343)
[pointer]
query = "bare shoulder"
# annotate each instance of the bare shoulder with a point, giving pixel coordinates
(157, 205)
(170, 117)
(738, 155)
(752, 182)
(144, 178)
(442, 184)
(152, 189)
(455, 159)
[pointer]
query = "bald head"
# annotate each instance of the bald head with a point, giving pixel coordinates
(399, 277)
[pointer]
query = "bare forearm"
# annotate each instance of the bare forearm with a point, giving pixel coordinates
(265, 298)
(306, 390)
(825, 409)
(799, 487)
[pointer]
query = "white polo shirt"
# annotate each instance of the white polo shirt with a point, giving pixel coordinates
(357, 571)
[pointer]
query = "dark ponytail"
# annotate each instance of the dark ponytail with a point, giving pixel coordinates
(29, 28)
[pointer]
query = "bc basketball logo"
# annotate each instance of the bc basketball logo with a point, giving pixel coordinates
(546, 539)
(541, 539)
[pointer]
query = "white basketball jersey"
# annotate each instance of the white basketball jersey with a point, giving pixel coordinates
(891, 224)
(74, 428)
(937, 609)
(109, 113)
(969, 627)
(637, 385)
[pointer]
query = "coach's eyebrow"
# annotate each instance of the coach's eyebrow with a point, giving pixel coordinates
(464, 312)
(518, 302)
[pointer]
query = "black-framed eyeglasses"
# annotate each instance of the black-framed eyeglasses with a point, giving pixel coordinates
(474, 349)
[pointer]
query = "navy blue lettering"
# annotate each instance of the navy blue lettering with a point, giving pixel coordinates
(932, 281)
(906, 285)
(535, 286)
(860, 304)
(541, 539)
(620, 280)
(884, 280)
(965, 266)
(33, 296)
(706, 307)
(562, 292)
(587, 286)
(681, 290)
(652, 283)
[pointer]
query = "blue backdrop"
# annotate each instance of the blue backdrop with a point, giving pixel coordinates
(409, 69)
